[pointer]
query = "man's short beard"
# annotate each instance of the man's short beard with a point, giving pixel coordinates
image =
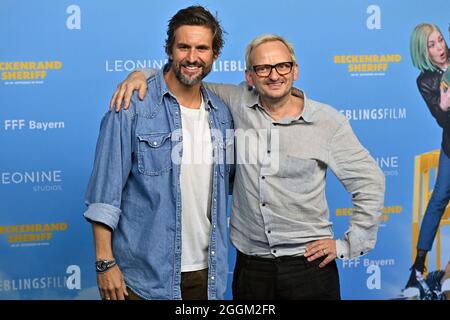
(190, 81)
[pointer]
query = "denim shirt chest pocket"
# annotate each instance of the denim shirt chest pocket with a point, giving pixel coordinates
(154, 153)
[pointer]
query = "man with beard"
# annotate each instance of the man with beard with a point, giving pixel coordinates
(158, 191)
(280, 221)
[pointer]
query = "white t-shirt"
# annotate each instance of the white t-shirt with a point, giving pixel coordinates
(196, 188)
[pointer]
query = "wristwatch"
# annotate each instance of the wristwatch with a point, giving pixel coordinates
(104, 265)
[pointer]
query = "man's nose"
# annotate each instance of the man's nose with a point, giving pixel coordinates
(192, 55)
(274, 75)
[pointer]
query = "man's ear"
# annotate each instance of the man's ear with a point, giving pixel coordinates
(248, 77)
(295, 72)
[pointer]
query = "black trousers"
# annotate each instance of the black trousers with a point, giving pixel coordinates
(288, 278)
(194, 286)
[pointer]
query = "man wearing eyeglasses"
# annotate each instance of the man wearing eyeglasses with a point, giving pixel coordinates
(280, 219)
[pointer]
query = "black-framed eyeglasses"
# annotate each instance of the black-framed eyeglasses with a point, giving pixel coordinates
(264, 70)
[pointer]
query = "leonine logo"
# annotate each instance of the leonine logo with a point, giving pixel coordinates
(367, 64)
(27, 72)
(42, 181)
(26, 235)
(131, 65)
(389, 164)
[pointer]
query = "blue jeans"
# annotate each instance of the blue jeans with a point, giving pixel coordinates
(436, 206)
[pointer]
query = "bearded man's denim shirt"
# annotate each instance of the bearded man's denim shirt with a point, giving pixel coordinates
(134, 189)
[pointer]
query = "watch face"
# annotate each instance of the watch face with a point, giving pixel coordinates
(101, 266)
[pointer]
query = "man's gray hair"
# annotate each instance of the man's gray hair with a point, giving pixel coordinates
(263, 39)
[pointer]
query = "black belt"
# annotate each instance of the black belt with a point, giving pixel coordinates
(271, 260)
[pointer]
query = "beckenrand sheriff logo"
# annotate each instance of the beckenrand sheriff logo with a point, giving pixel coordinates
(31, 235)
(28, 72)
(387, 211)
(375, 64)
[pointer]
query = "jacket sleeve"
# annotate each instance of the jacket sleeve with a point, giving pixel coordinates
(363, 179)
(230, 94)
(431, 95)
(148, 72)
(112, 165)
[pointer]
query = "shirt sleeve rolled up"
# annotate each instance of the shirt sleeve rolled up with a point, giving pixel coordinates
(112, 166)
(363, 179)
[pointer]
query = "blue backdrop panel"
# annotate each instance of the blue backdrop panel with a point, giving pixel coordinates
(60, 62)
